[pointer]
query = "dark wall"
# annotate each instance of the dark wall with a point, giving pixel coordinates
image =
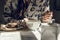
(57, 16)
(56, 12)
(2, 2)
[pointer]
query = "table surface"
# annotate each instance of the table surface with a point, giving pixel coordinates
(24, 35)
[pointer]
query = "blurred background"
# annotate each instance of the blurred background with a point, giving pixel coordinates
(17, 9)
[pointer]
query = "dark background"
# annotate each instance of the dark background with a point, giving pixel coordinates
(55, 7)
(2, 2)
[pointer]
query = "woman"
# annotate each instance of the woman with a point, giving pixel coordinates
(49, 29)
